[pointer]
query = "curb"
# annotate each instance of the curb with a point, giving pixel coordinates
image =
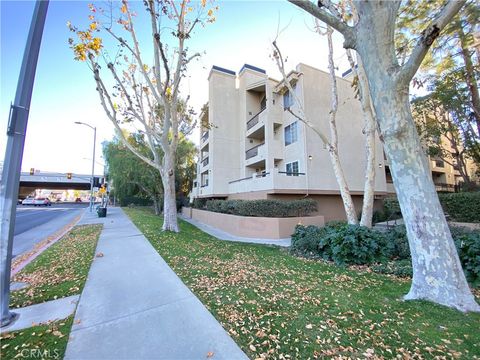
(42, 246)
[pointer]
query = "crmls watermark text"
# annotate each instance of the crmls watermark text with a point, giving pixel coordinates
(39, 354)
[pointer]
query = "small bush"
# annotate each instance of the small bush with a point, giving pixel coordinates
(468, 247)
(397, 243)
(400, 268)
(341, 243)
(263, 208)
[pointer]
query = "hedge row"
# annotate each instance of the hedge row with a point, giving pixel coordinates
(352, 244)
(462, 207)
(262, 208)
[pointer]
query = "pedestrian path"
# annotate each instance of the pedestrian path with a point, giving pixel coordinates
(43, 313)
(222, 235)
(134, 306)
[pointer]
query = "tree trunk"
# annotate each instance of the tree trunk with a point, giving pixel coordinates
(437, 271)
(333, 148)
(470, 77)
(169, 201)
(156, 206)
(344, 190)
(369, 119)
(369, 187)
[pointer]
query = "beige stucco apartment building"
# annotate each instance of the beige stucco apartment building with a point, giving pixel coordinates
(254, 148)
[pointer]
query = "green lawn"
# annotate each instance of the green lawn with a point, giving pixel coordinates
(61, 270)
(276, 305)
(58, 272)
(37, 342)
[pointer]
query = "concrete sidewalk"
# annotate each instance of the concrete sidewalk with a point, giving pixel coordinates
(134, 306)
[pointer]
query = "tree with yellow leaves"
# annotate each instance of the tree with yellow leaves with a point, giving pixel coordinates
(146, 96)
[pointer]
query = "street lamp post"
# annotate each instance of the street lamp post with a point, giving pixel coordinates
(16, 131)
(93, 160)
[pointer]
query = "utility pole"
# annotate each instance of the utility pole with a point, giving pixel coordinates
(16, 131)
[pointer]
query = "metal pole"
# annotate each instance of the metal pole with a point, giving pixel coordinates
(93, 169)
(12, 165)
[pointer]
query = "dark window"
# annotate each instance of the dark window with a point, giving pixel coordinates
(291, 133)
(292, 169)
(288, 99)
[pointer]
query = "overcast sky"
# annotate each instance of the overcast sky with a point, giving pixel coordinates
(65, 92)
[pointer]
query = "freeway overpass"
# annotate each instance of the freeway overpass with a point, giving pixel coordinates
(54, 181)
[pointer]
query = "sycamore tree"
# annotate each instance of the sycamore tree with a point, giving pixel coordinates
(437, 271)
(139, 80)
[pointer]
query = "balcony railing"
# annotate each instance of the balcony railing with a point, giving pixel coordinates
(252, 152)
(205, 136)
(259, 175)
(205, 161)
(291, 173)
(254, 120)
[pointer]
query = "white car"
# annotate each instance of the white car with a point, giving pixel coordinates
(28, 201)
(42, 202)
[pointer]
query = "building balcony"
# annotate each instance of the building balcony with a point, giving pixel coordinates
(255, 154)
(256, 126)
(204, 137)
(205, 161)
(269, 180)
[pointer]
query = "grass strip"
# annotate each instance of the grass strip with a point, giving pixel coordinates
(38, 342)
(276, 305)
(60, 271)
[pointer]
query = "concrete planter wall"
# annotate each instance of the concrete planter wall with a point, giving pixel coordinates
(252, 227)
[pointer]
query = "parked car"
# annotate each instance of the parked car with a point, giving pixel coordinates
(28, 201)
(42, 202)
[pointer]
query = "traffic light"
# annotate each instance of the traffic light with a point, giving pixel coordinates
(69, 176)
(32, 171)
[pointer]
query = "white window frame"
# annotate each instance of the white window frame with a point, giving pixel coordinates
(292, 131)
(292, 171)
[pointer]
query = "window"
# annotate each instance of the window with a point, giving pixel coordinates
(291, 135)
(292, 169)
(288, 99)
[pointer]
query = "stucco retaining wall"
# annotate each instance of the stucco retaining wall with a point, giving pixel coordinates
(252, 227)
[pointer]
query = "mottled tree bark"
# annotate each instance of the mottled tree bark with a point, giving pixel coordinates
(437, 272)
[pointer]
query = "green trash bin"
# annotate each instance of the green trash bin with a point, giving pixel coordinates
(102, 212)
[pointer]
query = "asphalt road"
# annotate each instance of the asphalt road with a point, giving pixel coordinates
(33, 224)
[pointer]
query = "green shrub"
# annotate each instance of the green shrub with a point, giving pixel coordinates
(307, 238)
(351, 244)
(263, 208)
(199, 203)
(397, 243)
(463, 206)
(400, 268)
(341, 243)
(468, 247)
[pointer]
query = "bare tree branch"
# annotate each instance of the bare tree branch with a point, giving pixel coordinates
(334, 21)
(431, 32)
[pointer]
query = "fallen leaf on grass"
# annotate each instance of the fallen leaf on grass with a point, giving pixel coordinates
(253, 348)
